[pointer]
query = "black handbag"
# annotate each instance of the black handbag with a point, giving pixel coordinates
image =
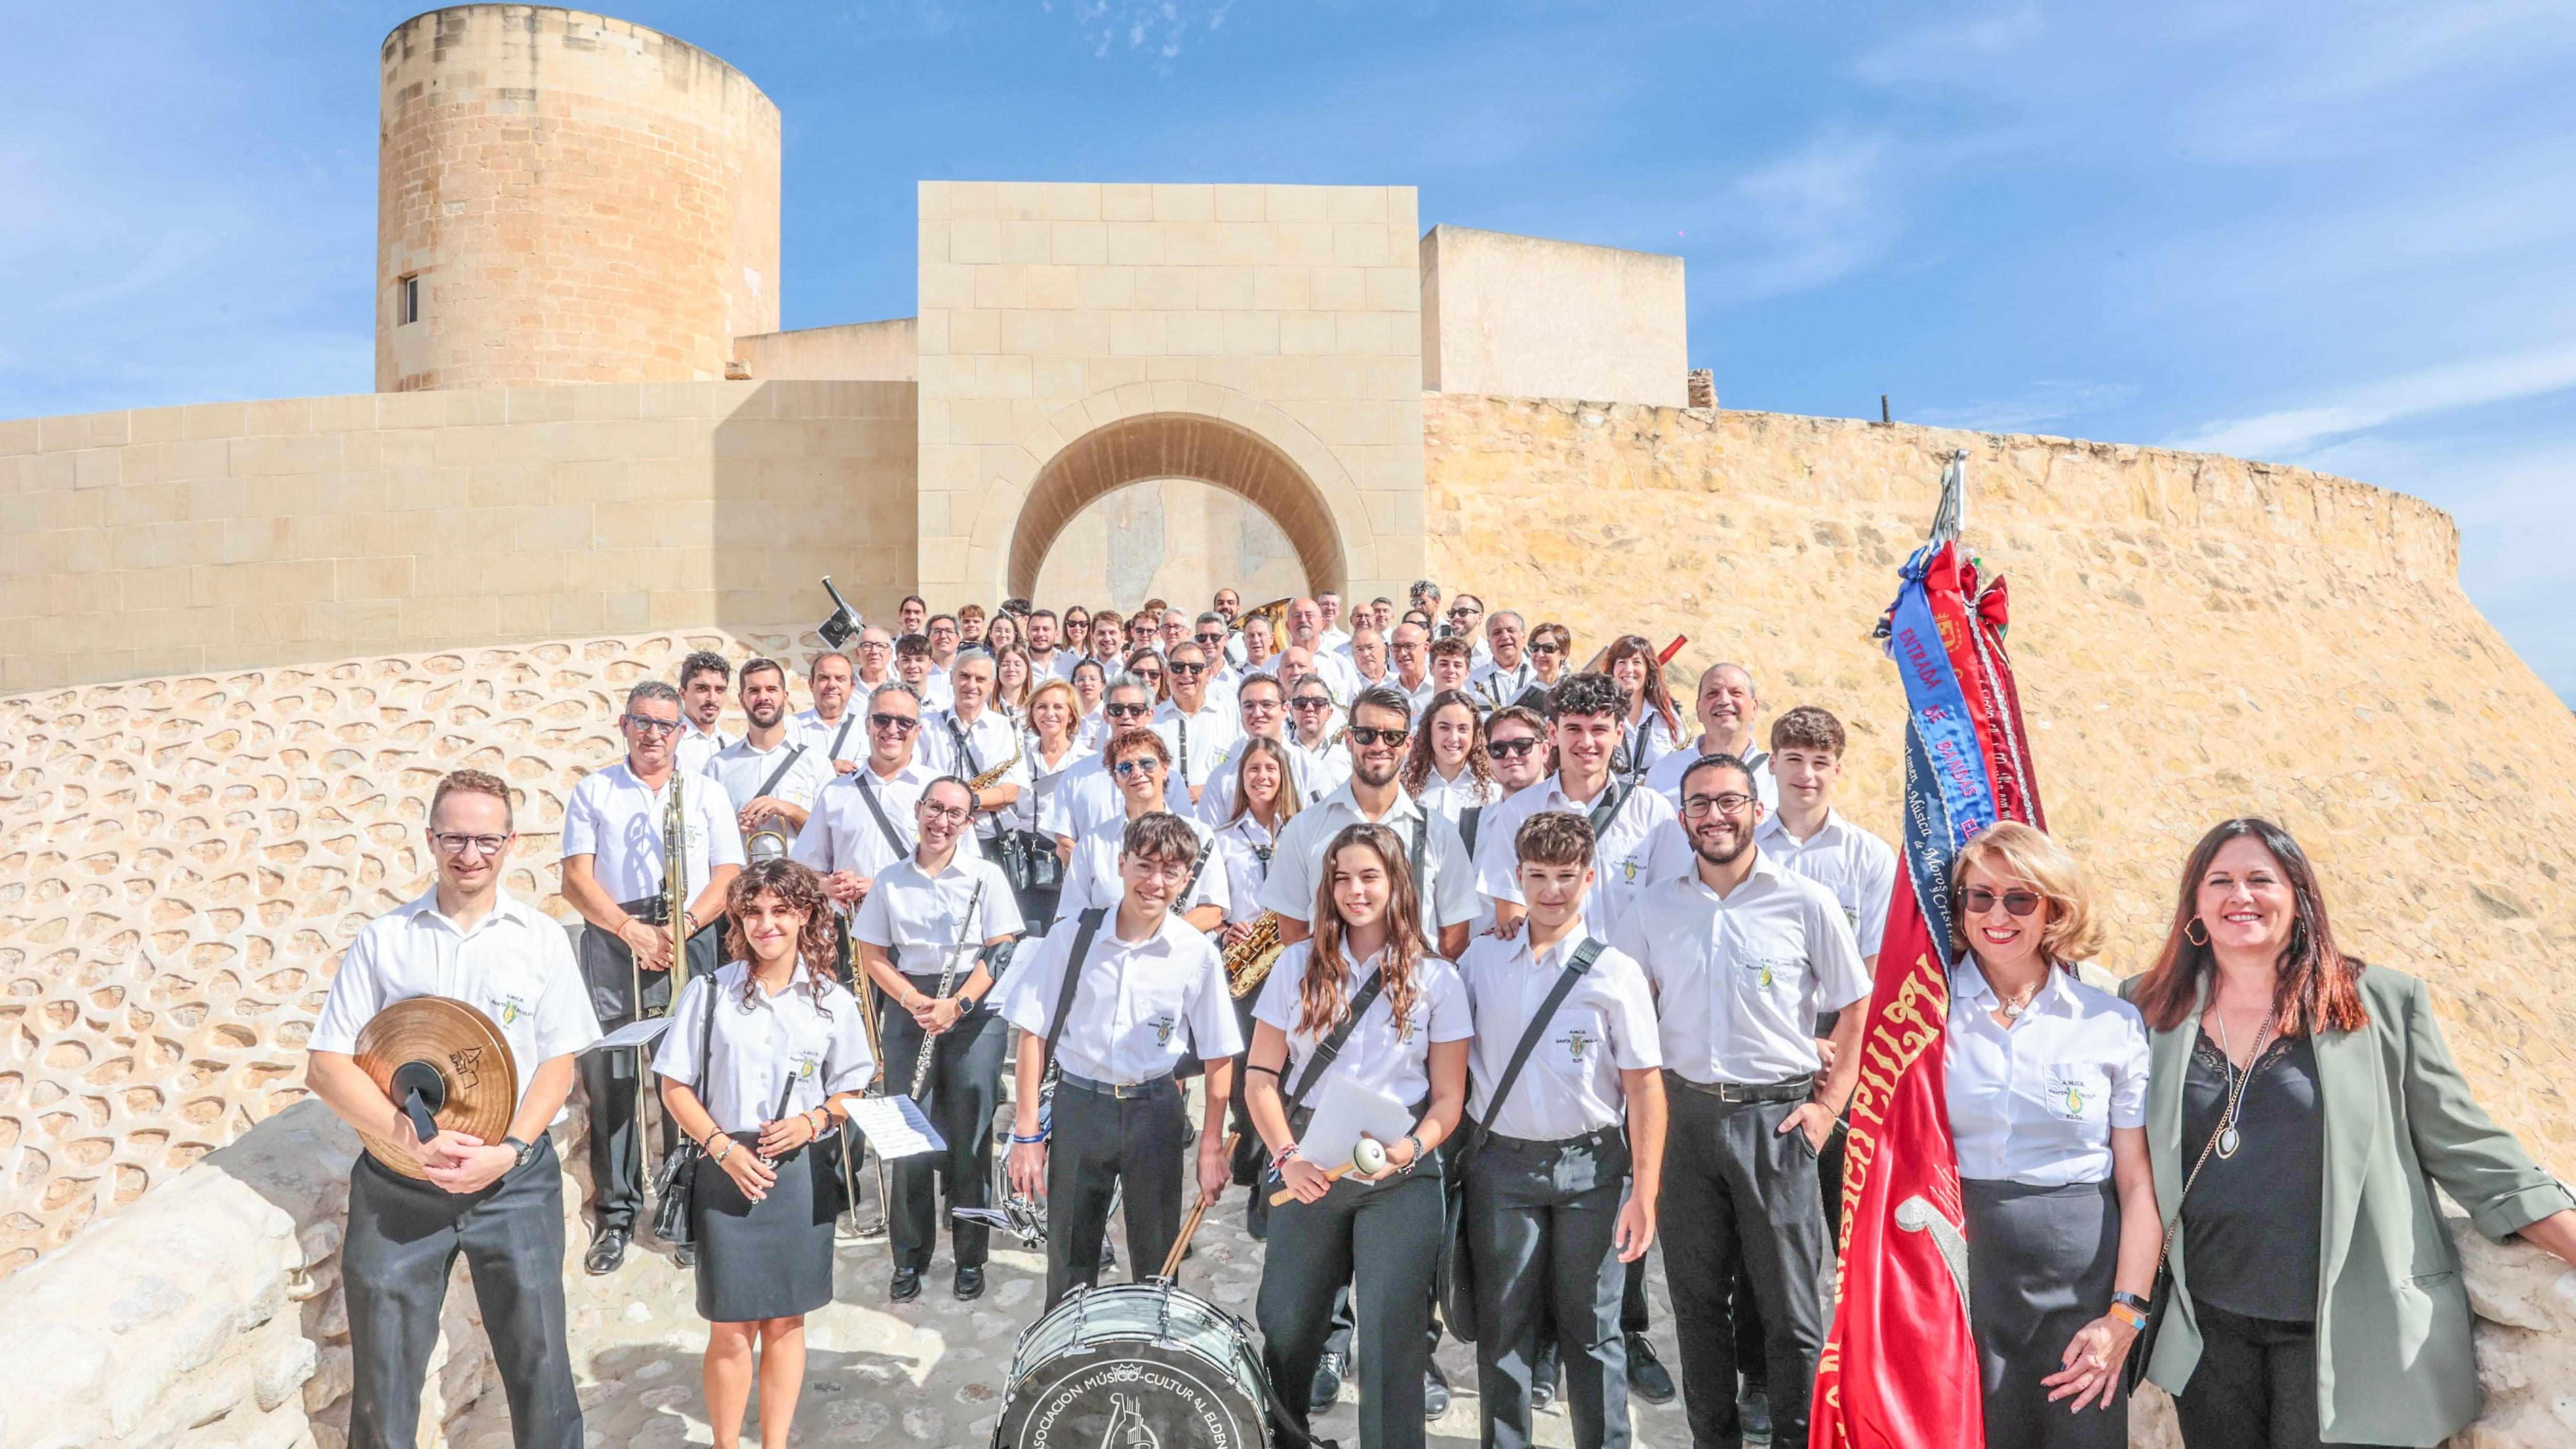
(1454, 1276)
(1030, 862)
(675, 1187)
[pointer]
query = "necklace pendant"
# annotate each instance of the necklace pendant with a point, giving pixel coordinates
(2013, 1010)
(2228, 1142)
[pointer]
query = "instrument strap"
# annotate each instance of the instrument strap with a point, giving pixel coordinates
(778, 774)
(1610, 803)
(1575, 965)
(1468, 819)
(1331, 1046)
(848, 718)
(1181, 725)
(859, 778)
(1087, 925)
(965, 751)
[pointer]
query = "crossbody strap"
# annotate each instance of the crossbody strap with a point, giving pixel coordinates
(1468, 820)
(1087, 926)
(1610, 803)
(848, 718)
(1331, 1046)
(965, 751)
(780, 773)
(1575, 965)
(859, 778)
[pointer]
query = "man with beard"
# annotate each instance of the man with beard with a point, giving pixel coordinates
(1046, 658)
(1726, 708)
(770, 774)
(1629, 849)
(1262, 709)
(703, 677)
(829, 726)
(1380, 724)
(1743, 955)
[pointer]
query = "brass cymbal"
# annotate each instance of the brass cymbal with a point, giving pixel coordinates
(476, 1077)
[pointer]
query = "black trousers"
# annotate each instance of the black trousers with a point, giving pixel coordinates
(1739, 1195)
(964, 1090)
(1096, 1141)
(2255, 1387)
(1383, 1239)
(1541, 1218)
(614, 1080)
(403, 1239)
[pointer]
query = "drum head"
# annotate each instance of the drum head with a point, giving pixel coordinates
(1135, 1367)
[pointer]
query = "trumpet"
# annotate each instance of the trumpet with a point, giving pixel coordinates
(1248, 961)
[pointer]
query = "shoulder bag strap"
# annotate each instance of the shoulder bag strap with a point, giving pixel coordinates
(1603, 813)
(1331, 1046)
(859, 779)
(1468, 820)
(1575, 965)
(780, 773)
(1087, 926)
(848, 718)
(965, 751)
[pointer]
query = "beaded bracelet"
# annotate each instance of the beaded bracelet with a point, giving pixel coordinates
(1415, 1160)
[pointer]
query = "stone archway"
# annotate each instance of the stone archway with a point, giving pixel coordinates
(1189, 445)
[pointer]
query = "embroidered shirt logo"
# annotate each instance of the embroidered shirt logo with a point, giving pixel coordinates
(512, 1008)
(1164, 1026)
(807, 1064)
(1577, 1043)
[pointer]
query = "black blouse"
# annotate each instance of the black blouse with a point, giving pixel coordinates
(2251, 1223)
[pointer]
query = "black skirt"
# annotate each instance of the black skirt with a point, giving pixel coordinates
(2040, 1265)
(765, 1259)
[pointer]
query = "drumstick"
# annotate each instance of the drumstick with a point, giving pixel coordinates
(1190, 1224)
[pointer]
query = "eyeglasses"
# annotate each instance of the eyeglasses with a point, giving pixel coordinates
(902, 724)
(1371, 735)
(651, 726)
(1123, 711)
(1980, 900)
(1543, 649)
(1509, 749)
(876, 646)
(1406, 648)
(1161, 872)
(1730, 803)
(1124, 768)
(953, 814)
(449, 844)
(1180, 666)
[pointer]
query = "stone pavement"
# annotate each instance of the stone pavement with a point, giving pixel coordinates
(927, 1373)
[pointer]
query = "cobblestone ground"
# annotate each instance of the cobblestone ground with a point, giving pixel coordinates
(929, 1372)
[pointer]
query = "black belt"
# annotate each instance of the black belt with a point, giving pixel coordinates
(1596, 1139)
(1796, 1089)
(652, 910)
(1115, 1090)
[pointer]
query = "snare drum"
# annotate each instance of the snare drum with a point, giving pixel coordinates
(1135, 1366)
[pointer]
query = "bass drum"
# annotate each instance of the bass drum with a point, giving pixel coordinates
(1134, 1366)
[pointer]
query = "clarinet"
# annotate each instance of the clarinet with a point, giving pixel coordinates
(947, 983)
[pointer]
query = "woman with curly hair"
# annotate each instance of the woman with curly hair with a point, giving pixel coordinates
(1650, 727)
(1361, 999)
(1446, 769)
(759, 1062)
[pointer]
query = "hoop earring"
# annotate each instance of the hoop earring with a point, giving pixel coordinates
(2200, 940)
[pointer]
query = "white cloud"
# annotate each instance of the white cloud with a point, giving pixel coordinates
(1152, 27)
(2043, 402)
(2286, 434)
(1809, 217)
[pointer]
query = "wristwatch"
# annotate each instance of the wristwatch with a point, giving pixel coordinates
(526, 1150)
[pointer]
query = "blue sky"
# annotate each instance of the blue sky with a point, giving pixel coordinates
(2336, 235)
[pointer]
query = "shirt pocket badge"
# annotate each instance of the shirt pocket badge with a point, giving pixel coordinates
(512, 1008)
(2077, 1092)
(807, 1064)
(1768, 975)
(1164, 1026)
(1576, 1044)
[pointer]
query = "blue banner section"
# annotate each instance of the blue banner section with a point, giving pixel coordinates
(1927, 848)
(1951, 754)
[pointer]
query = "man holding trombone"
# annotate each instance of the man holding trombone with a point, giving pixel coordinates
(924, 934)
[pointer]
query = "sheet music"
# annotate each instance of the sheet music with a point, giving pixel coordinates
(634, 1033)
(896, 1128)
(1346, 1110)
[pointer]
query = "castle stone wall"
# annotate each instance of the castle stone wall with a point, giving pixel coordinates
(1524, 316)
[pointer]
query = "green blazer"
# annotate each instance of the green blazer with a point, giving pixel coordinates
(2394, 1363)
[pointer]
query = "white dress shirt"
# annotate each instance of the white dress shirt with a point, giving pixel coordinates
(1085, 794)
(782, 1048)
(1245, 845)
(1497, 686)
(1198, 740)
(936, 692)
(1641, 843)
(1382, 1053)
(1570, 1084)
(1058, 663)
(1044, 777)
(1138, 1007)
(1091, 878)
(1856, 866)
(741, 770)
(852, 744)
(697, 746)
(1340, 675)
(2035, 1103)
(993, 739)
(515, 966)
(1447, 886)
(919, 918)
(615, 821)
(1314, 774)
(1335, 641)
(1665, 775)
(1649, 740)
(1451, 796)
(1740, 979)
(841, 833)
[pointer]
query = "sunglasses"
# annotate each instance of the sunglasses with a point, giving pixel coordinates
(1543, 649)
(1365, 735)
(1212, 640)
(1123, 711)
(1312, 703)
(902, 724)
(1124, 768)
(1509, 749)
(1980, 900)
(1184, 667)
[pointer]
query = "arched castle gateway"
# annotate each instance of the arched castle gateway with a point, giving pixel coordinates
(244, 637)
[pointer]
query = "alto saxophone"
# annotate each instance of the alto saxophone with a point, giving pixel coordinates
(984, 781)
(1248, 961)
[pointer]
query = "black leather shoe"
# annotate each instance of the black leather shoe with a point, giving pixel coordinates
(1435, 1392)
(1753, 1416)
(970, 1283)
(1547, 1379)
(606, 1252)
(686, 1255)
(1328, 1383)
(1648, 1379)
(905, 1287)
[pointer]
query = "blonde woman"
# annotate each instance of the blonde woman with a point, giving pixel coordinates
(1378, 1233)
(2047, 1084)
(1053, 747)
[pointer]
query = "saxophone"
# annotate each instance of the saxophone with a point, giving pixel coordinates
(1248, 962)
(983, 781)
